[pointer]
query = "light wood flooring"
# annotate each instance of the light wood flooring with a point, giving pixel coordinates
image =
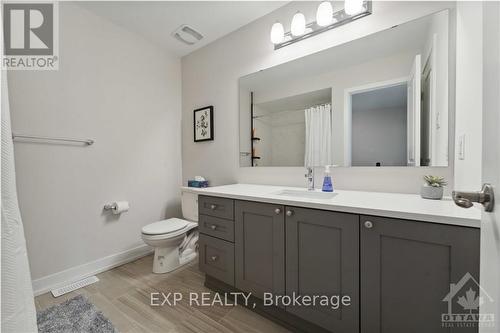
(123, 295)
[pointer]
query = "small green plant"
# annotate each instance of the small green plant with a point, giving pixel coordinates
(435, 181)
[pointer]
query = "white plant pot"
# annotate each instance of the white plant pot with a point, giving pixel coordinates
(431, 192)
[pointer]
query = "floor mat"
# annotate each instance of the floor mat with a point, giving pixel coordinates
(75, 315)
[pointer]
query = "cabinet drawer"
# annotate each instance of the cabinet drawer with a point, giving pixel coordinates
(217, 258)
(218, 207)
(216, 227)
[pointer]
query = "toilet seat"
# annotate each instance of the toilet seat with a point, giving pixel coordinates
(167, 228)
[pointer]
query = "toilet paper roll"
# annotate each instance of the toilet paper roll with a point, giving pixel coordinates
(120, 207)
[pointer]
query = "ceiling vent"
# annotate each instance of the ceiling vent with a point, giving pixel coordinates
(187, 35)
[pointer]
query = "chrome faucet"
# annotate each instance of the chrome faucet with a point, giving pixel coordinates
(310, 178)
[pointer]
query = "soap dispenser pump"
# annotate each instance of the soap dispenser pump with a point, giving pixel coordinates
(327, 181)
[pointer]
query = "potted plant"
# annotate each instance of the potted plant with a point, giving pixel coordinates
(433, 187)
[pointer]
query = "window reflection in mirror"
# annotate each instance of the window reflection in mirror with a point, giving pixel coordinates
(381, 100)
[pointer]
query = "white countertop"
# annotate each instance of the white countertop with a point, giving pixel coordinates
(395, 205)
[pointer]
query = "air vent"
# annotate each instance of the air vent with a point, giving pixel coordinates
(187, 35)
(74, 286)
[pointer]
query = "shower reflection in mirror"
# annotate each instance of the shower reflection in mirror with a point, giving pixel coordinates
(381, 100)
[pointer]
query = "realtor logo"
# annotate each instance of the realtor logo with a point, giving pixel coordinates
(30, 32)
(464, 300)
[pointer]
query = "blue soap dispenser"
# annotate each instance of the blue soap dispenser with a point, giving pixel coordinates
(327, 181)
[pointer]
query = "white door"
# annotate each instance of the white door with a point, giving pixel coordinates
(490, 224)
(413, 113)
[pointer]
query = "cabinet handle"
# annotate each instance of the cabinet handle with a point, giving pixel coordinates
(277, 211)
(213, 227)
(212, 207)
(368, 224)
(214, 258)
(289, 212)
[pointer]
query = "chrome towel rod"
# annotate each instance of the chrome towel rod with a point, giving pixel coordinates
(88, 142)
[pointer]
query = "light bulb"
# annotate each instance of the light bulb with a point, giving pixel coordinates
(298, 24)
(324, 14)
(277, 33)
(353, 7)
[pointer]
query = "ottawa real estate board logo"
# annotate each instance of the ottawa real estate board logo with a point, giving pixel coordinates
(464, 300)
(30, 36)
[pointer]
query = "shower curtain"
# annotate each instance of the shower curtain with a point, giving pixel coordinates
(18, 307)
(318, 150)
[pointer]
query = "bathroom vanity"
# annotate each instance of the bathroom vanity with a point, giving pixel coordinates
(395, 255)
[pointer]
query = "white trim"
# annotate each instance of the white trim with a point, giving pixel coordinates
(429, 68)
(70, 275)
(377, 85)
(348, 110)
(347, 128)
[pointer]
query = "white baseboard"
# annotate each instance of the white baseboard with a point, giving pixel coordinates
(60, 279)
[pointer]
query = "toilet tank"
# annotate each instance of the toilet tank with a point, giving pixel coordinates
(189, 205)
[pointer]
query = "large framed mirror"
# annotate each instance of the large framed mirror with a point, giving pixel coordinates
(382, 100)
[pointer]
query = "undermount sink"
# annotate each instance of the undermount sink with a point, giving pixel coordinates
(306, 194)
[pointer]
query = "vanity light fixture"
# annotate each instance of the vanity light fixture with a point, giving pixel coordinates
(324, 14)
(326, 19)
(277, 33)
(298, 24)
(353, 7)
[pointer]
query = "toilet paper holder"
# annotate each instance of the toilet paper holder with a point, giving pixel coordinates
(117, 207)
(110, 206)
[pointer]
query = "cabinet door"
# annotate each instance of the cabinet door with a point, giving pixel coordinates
(322, 258)
(406, 271)
(216, 258)
(259, 248)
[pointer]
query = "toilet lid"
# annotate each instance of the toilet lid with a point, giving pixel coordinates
(165, 226)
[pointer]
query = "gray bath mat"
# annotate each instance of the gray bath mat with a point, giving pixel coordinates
(74, 315)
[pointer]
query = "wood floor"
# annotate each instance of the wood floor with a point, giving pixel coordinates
(123, 295)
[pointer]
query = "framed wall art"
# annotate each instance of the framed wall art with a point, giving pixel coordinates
(203, 124)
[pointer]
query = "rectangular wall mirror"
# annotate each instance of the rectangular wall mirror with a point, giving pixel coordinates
(382, 100)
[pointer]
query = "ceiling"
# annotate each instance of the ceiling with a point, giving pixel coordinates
(394, 97)
(156, 20)
(297, 102)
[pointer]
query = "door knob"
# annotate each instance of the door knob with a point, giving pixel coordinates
(368, 224)
(214, 258)
(212, 207)
(277, 211)
(289, 212)
(213, 226)
(485, 197)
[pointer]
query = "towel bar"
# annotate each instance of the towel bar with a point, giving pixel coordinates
(88, 142)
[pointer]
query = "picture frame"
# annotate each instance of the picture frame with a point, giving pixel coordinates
(203, 124)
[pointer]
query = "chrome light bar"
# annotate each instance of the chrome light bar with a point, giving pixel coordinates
(312, 29)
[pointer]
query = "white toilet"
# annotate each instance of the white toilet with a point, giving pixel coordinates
(173, 245)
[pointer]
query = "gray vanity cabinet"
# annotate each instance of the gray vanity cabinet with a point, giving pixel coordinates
(259, 248)
(406, 271)
(322, 258)
(396, 272)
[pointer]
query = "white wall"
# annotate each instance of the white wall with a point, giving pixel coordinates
(116, 88)
(289, 140)
(379, 135)
(210, 76)
(469, 95)
(282, 137)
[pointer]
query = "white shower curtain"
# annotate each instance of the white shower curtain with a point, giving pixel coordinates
(318, 136)
(18, 305)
